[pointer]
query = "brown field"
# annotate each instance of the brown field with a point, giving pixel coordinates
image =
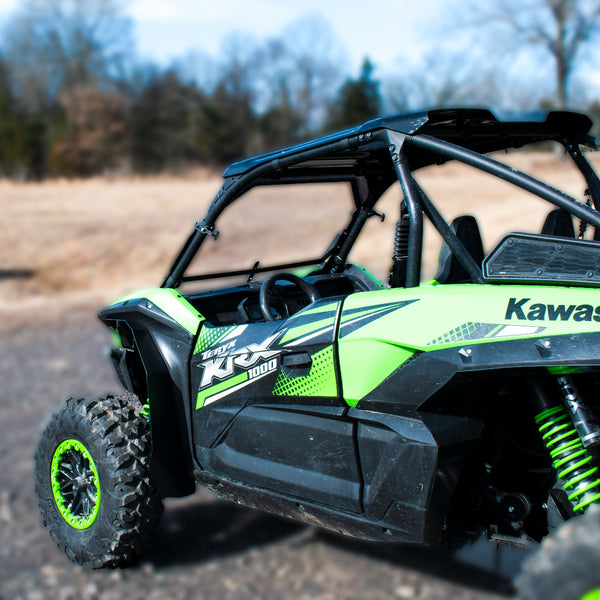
(83, 243)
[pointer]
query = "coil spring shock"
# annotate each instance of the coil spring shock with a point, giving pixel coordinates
(580, 478)
(401, 237)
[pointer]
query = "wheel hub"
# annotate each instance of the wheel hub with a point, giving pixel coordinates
(75, 484)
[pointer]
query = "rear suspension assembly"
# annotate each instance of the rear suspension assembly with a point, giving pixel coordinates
(568, 432)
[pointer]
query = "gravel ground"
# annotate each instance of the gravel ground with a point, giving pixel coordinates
(205, 548)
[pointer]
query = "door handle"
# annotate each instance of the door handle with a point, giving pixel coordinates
(297, 364)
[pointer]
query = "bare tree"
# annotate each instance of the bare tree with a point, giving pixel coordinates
(437, 80)
(559, 29)
(446, 78)
(317, 66)
(54, 46)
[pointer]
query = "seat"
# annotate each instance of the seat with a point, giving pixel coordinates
(559, 222)
(467, 231)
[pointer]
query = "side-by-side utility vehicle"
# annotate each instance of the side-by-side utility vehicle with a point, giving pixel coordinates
(422, 410)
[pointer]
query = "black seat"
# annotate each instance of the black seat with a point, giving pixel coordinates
(450, 269)
(559, 222)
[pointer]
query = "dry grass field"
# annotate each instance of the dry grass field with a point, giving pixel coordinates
(68, 243)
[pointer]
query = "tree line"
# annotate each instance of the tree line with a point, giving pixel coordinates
(75, 100)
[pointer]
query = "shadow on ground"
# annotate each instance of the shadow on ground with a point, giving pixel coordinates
(436, 562)
(206, 532)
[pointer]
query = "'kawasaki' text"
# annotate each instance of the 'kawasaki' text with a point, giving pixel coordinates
(523, 310)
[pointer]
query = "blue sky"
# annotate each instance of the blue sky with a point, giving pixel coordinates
(387, 31)
(381, 29)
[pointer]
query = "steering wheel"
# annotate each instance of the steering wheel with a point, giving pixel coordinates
(268, 286)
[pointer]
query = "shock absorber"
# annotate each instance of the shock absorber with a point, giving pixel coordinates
(579, 476)
(398, 270)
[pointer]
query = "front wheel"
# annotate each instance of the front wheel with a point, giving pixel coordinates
(566, 565)
(93, 481)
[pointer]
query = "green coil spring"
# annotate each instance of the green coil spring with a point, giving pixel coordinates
(145, 412)
(572, 461)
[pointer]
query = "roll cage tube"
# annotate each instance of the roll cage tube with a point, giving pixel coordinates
(366, 194)
(233, 189)
(489, 165)
(588, 173)
(417, 203)
(415, 213)
(456, 246)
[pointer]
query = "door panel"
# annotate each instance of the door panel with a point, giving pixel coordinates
(306, 456)
(268, 410)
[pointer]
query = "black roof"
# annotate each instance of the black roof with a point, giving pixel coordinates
(473, 128)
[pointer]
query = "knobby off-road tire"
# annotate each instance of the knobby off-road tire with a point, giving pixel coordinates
(567, 564)
(93, 481)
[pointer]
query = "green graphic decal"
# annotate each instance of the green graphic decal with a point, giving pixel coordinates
(172, 303)
(210, 336)
(319, 382)
(311, 323)
(215, 390)
(466, 332)
(308, 328)
(321, 308)
(354, 319)
(75, 484)
(593, 595)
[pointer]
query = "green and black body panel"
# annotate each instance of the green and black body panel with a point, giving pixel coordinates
(336, 415)
(155, 331)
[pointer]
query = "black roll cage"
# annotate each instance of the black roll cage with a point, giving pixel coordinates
(372, 156)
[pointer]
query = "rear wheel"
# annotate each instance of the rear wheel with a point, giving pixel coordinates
(566, 564)
(93, 481)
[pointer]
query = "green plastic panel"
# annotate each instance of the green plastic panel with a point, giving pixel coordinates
(376, 339)
(172, 303)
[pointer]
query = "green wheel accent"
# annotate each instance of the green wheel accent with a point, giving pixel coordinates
(563, 370)
(592, 595)
(145, 411)
(75, 484)
(117, 342)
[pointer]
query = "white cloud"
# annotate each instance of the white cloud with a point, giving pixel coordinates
(7, 5)
(155, 10)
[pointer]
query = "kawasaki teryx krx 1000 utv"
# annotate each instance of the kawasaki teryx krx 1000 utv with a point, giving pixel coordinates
(424, 412)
